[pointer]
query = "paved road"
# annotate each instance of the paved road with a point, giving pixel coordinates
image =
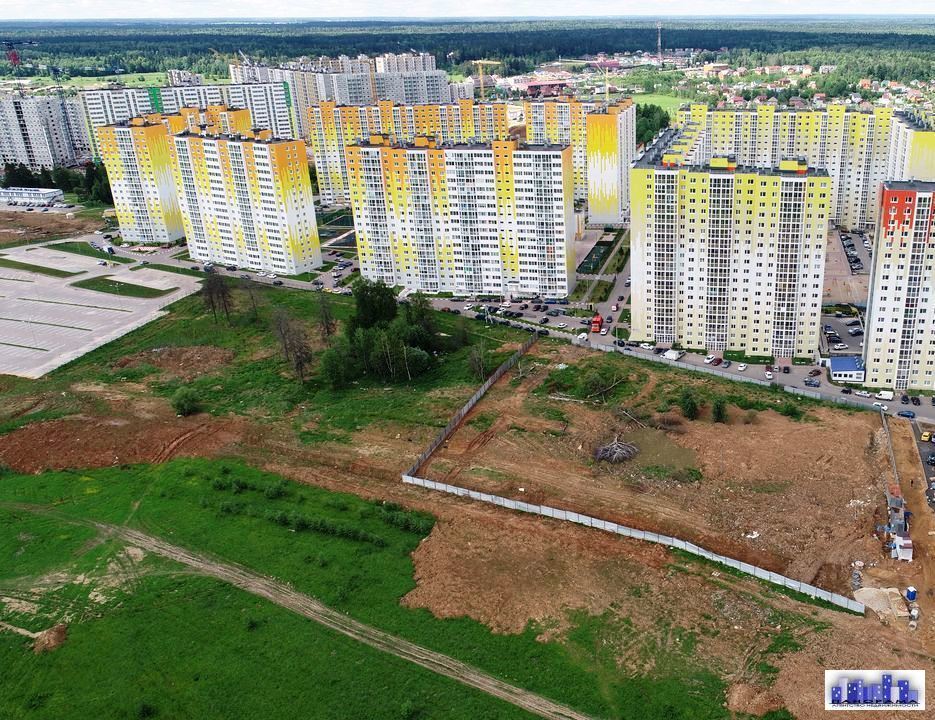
(925, 449)
(281, 594)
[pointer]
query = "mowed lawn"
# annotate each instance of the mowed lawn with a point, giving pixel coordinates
(168, 643)
(669, 103)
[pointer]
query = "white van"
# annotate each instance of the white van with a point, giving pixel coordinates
(884, 395)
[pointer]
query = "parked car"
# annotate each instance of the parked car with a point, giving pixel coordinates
(846, 391)
(709, 359)
(646, 346)
(716, 362)
(658, 350)
(814, 372)
(620, 298)
(904, 399)
(725, 364)
(603, 331)
(930, 460)
(908, 414)
(742, 367)
(812, 382)
(543, 321)
(880, 405)
(769, 375)
(926, 436)
(785, 369)
(840, 346)
(862, 393)
(582, 336)
(277, 282)
(562, 325)
(915, 400)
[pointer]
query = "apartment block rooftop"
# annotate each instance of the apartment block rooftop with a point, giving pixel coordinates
(430, 143)
(677, 148)
(923, 186)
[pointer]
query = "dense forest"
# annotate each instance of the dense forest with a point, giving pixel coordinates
(896, 48)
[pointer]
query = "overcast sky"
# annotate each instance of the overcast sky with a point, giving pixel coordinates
(112, 9)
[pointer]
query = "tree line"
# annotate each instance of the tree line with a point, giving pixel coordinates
(90, 183)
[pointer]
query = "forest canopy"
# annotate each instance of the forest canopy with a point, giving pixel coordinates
(884, 48)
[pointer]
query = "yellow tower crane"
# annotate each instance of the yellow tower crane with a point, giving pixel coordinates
(480, 67)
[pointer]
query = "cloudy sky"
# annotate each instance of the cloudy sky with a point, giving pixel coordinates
(86, 9)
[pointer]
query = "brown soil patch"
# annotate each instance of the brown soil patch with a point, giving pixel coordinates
(19, 226)
(83, 441)
(51, 639)
(794, 497)
(185, 363)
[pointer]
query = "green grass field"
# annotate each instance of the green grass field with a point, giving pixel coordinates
(187, 646)
(105, 284)
(40, 269)
(669, 103)
(129, 79)
(169, 268)
(82, 248)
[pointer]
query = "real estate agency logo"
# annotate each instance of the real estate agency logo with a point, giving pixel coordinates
(874, 690)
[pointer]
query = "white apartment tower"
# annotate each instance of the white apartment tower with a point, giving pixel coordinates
(899, 344)
(467, 219)
(41, 131)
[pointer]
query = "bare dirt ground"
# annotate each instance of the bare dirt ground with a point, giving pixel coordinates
(185, 363)
(796, 497)
(17, 227)
(137, 431)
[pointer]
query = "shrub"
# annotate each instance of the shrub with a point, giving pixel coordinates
(688, 404)
(719, 410)
(276, 490)
(791, 410)
(185, 401)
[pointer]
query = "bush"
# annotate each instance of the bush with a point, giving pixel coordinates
(791, 410)
(719, 410)
(185, 401)
(688, 404)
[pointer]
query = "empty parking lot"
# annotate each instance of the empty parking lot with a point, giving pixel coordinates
(46, 322)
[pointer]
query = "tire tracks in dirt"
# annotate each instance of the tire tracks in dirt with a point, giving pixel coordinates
(286, 597)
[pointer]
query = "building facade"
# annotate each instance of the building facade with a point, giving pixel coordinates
(467, 219)
(214, 120)
(899, 343)
(139, 168)
(607, 143)
(859, 149)
(184, 77)
(41, 131)
(109, 107)
(333, 127)
(724, 257)
(246, 200)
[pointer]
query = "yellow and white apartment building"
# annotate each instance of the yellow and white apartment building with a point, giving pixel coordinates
(238, 195)
(493, 218)
(603, 145)
(859, 149)
(899, 344)
(726, 257)
(333, 127)
(139, 168)
(246, 200)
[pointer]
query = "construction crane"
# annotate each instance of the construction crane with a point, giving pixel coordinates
(480, 67)
(11, 53)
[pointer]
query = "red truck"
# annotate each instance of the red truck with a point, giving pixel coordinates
(597, 322)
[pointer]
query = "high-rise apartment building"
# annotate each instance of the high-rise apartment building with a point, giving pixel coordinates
(858, 148)
(899, 344)
(41, 131)
(136, 156)
(912, 147)
(269, 104)
(214, 120)
(565, 121)
(726, 257)
(333, 127)
(611, 147)
(246, 200)
(469, 219)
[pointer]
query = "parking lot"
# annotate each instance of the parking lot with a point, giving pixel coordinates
(842, 285)
(926, 450)
(46, 322)
(841, 327)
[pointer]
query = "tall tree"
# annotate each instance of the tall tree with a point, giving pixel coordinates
(375, 302)
(327, 324)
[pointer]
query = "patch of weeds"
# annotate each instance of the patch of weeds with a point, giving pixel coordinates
(483, 421)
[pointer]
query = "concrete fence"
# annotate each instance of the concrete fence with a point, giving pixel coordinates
(469, 405)
(607, 526)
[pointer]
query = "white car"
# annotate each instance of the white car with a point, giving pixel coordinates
(562, 325)
(880, 405)
(468, 308)
(603, 331)
(861, 393)
(708, 360)
(741, 367)
(647, 346)
(583, 336)
(271, 276)
(769, 375)
(261, 274)
(840, 346)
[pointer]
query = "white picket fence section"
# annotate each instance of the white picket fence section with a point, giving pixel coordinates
(607, 526)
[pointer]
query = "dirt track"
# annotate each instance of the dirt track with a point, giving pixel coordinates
(308, 607)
